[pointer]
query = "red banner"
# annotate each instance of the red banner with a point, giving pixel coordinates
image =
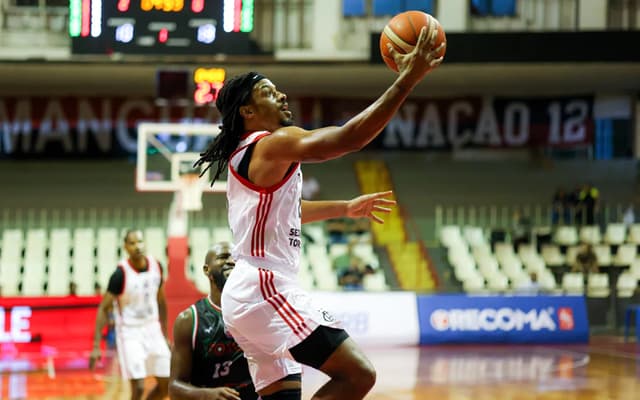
(46, 325)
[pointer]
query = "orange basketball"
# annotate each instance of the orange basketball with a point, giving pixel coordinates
(403, 30)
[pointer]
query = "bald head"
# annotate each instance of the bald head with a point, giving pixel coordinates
(218, 263)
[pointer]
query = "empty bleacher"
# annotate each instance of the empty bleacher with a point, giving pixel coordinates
(482, 266)
(38, 261)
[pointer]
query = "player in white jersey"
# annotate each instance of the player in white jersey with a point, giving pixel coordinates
(272, 319)
(135, 295)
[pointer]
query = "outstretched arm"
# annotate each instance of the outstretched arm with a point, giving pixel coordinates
(181, 359)
(360, 207)
(293, 144)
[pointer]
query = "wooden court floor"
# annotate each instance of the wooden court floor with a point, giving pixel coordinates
(604, 369)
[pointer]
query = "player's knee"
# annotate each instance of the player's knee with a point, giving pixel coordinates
(366, 376)
(287, 394)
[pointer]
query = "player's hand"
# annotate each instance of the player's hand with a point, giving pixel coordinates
(424, 57)
(364, 206)
(222, 393)
(96, 354)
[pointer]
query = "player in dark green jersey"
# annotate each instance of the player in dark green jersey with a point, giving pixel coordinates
(206, 363)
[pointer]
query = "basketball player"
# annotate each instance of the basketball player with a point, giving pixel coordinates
(273, 320)
(206, 363)
(135, 291)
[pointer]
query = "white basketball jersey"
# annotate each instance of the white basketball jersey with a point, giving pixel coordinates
(138, 303)
(265, 221)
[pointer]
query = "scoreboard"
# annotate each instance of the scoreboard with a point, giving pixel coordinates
(161, 27)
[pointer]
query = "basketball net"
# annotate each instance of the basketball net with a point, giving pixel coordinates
(190, 192)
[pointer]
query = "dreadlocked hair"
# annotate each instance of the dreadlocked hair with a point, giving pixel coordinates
(235, 93)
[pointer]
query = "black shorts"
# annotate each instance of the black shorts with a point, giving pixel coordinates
(316, 349)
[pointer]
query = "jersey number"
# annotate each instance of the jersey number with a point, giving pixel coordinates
(222, 369)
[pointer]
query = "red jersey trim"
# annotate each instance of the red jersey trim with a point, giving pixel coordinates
(250, 185)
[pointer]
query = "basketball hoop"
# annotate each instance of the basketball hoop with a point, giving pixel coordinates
(190, 192)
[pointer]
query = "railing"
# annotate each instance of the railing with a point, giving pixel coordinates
(122, 218)
(290, 24)
(34, 15)
(504, 217)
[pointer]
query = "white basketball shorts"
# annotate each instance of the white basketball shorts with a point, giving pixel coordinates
(143, 351)
(267, 313)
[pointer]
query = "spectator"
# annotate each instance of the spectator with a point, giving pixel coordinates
(351, 277)
(337, 230)
(561, 208)
(629, 216)
(530, 287)
(573, 203)
(588, 200)
(97, 289)
(343, 261)
(586, 261)
(520, 230)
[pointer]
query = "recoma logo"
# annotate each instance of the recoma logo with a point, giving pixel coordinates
(491, 319)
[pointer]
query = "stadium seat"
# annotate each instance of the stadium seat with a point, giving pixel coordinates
(316, 232)
(573, 283)
(375, 282)
(474, 283)
(59, 262)
(598, 285)
(305, 278)
(199, 245)
(107, 243)
(451, 235)
(603, 253)
(634, 234)
(504, 250)
(572, 253)
(473, 235)
(155, 239)
(34, 278)
(527, 251)
(534, 264)
(512, 267)
(625, 255)
(566, 235)
(615, 234)
(458, 255)
(11, 261)
(83, 261)
(547, 281)
(338, 249)
(627, 285)
(487, 265)
(365, 252)
(497, 282)
(590, 234)
(552, 256)
(321, 268)
(481, 250)
(635, 268)
(465, 269)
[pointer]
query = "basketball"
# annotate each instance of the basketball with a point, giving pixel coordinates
(403, 30)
